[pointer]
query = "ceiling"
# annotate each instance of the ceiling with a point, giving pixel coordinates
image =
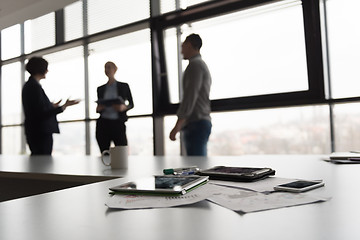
(17, 11)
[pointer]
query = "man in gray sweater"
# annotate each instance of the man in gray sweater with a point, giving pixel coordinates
(194, 111)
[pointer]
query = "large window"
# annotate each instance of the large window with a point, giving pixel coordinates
(132, 55)
(11, 139)
(172, 56)
(300, 130)
(344, 48)
(171, 5)
(71, 140)
(10, 37)
(253, 52)
(171, 147)
(73, 21)
(65, 79)
(107, 14)
(139, 132)
(40, 33)
(260, 55)
(11, 86)
(347, 127)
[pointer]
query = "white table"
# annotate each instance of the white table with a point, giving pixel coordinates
(80, 213)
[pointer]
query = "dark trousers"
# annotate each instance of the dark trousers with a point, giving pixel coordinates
(110, 130)
(40, 143)
(196, 137)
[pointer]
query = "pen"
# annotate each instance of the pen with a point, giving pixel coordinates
(181, 171)
(185, 173)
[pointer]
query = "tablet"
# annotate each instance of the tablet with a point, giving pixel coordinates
(109, 102)
(243, 174)
(161, 185)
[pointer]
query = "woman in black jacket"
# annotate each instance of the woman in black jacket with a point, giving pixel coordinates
(114, 100)
(40, 113)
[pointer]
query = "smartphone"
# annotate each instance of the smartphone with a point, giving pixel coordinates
(299, 186)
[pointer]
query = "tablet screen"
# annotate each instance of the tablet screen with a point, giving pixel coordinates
(166, 182)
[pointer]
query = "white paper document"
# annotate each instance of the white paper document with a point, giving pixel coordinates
(249, 201)
(264, 185)
(121, 201)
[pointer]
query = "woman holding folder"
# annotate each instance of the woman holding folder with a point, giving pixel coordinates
(114, 100)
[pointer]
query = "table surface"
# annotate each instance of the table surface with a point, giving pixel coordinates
(80, 212)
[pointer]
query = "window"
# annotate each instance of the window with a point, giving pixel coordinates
(347, 127)
(170, 5)
(107, 14)
(139, 132)
(132, 55)
(65, 79)
(94, 148)
(171, 147)
(252, 52)
(73, 15)
(10, 37)
(11, 140)
(11, 87)
(344, 48)
(297, 130)
(71, 140)
(40, 33)
(172, 57)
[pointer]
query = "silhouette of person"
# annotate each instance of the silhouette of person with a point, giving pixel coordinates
(194, 111)
(114, 100)
(40, 113)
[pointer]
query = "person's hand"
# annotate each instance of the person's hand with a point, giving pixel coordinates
(119, 107)
(179, 123)
(100, 108)
(70, 103)
(173, 133)
(57, 103)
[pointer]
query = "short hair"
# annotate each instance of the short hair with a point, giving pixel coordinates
(112, 64)
(37, 65)
(194, 40)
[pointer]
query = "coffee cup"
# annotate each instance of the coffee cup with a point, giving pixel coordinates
(118, 157)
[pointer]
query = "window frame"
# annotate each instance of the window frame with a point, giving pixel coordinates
(206, 10)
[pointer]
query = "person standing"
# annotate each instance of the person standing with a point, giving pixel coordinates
(40, 113)
(194, 111)
(114, 100)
